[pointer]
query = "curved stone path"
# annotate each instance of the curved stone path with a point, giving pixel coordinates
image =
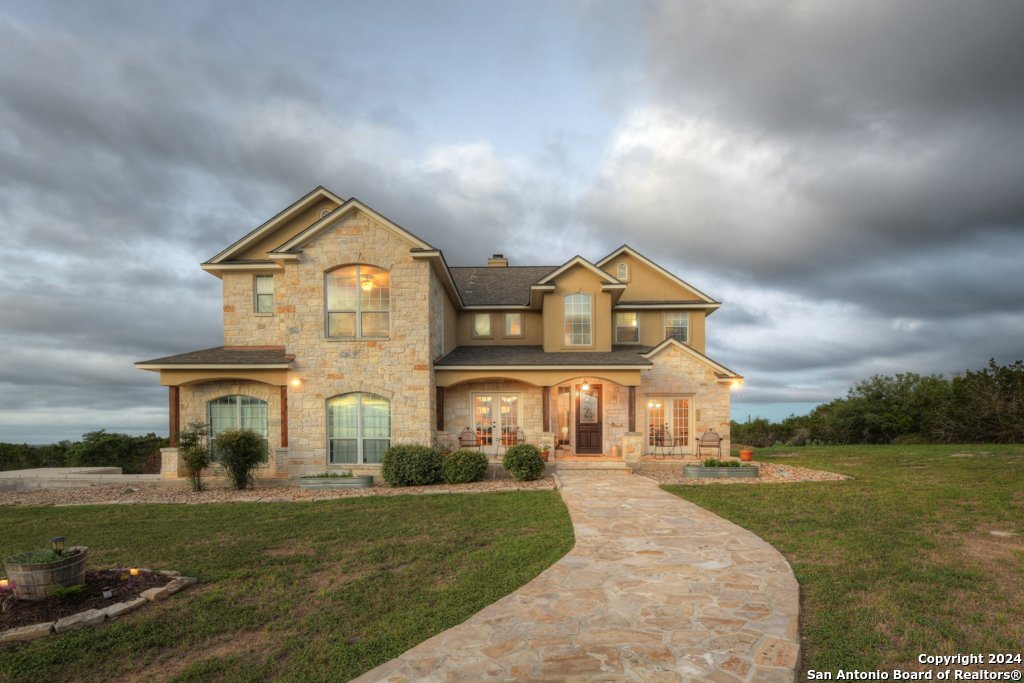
(656, 589)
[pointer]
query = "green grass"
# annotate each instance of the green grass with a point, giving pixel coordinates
(289, 592)
(899, 561)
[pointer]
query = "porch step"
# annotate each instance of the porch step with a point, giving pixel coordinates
(606, 467)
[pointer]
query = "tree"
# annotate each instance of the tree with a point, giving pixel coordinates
(100, 449)
(194, 451)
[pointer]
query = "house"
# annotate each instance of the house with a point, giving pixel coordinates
(344, 334)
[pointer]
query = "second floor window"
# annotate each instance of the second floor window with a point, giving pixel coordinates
(627, 330)
(513, 324)
(577, 320)
(481, 324)
(358, 302)
(676, 325)
(264, 293)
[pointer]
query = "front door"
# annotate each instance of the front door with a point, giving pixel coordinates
(495, 420)
(588, 420)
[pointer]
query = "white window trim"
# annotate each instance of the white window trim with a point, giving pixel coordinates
(618, 327)
(359, 428)
(256, 295)
(618, 272)
(652, 450)
(522, 325)
(496, 397)
(358, 311)
(238, 420)
(664, 325)
(567, 338)
(490, 316)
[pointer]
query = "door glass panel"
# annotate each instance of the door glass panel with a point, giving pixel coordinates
(655, 421)
(509, 419)
(681, 421)
(484, 420)
(588, 406)
(563, 407)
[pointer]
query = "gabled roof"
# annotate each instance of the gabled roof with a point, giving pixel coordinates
(507, 286)
(640, 257)
(223, 358)
(580, 261)
(723, 373)
(296, 243)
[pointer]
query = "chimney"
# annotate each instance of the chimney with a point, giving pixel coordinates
(497, 261)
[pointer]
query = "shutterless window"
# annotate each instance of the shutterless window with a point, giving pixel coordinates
(482, 324)
(676, 325)
(358, 302)
(359, 429)
(627, 330)
(236, 412)
(264, 293)
(577, 320)
(623, 271)
(513, 324)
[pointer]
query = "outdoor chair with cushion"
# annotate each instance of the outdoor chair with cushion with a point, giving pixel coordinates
(709, 439)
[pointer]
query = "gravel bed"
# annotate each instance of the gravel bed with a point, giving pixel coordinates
(769, 473)
(142, 494)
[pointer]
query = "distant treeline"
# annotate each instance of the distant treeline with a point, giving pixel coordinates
(973, 407)
(96, 449)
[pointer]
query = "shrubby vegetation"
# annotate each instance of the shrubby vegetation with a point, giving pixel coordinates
(524, 462)
(973, 407)
(412, 465)
(96, 449)
(464, 466)
(240, 452)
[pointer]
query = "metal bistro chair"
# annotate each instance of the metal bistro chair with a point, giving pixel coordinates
(709, 439)
(468, 439)
(663, 439)
(512, 438)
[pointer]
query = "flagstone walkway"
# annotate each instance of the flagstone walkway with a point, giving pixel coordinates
(656, 589)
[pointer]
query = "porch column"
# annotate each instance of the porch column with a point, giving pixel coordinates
(284, 416)
(439, 404)
(545, 419)
(175, 413)
(632, 409)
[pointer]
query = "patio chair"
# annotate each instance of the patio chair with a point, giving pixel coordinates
(468, 439)
(512, 438)
(662, 437)
(709, 439)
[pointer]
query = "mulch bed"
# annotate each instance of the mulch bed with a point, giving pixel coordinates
(28, 612)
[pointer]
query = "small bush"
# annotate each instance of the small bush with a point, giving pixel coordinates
(412, 465)
(462, 467)
(715, 462)
(241, 451)
(524, 462)
(194, 452)
(69, 593)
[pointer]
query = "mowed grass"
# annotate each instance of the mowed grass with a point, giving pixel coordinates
(899, 561)
(289, 591)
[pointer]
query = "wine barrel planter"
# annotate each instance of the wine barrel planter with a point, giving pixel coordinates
(35, 581)
(698, 472)
(329, 483)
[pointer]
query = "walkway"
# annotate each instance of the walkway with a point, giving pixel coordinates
(656, 589)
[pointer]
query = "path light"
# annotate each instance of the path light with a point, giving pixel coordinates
(134, 571)
(106, 592)
(4, 583)
(57, 542)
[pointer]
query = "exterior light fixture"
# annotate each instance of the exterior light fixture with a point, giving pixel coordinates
(586, 385)
(134, 571)
(296, 382)
(367, 284)
(106, 592)
(57, 543)
(736, 384)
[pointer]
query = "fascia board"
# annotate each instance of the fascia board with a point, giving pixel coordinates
(218, 270)
(637, 255)
(625, 305)
(490, 368)
(312, 231)
(579, 260)
(212, 366)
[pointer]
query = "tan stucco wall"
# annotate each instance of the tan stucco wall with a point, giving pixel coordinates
(170, 378)
(533, 328)
(540, 378)
(647, 284)
(652, 328)
(583, 281)
(287, 230)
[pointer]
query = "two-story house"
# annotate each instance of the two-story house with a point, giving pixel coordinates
(344, 334)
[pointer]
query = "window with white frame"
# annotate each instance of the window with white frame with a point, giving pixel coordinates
(668, 421)
(358, 428)
(358, 302)
(677, 325)
(627, 328)
(481, 324)
(577, 320)
(264, 293)
(623, 272)
(236, 412)
(513, 324)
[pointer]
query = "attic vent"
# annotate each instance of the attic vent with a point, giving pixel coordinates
(324, 212)
(497, 261)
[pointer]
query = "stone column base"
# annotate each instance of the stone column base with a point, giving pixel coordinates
(633, 448)
(171, 464)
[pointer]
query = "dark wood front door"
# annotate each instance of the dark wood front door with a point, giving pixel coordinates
(588, 420)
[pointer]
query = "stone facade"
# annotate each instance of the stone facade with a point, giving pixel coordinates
(458, 406)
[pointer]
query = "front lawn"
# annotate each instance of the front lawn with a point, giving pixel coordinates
(899, 561)
(289, 591)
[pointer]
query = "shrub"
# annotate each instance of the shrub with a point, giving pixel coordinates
(194, 452)
(69, 593)
(462, 467)
(412, 465)
(100, 449)
(524, 462)
(240, 451)
(715, 462)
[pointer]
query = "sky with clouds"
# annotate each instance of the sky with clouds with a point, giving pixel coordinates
(846, 176)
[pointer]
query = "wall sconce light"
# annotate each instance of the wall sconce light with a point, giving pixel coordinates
(106, 592)
(134, 571)
(586, 386)
(296, 382)
(737, 384)
(57, 543)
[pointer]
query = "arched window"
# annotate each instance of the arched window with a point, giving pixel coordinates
(358, 429)
(237, 412)
(623, 272)
(577, 320)
(358, 302)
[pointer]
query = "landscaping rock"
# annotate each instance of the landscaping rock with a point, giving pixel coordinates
(169, 572)
(80, 621)
(1002, 534)
(25, 633)
(155, 594)
(136, 603)
(178, 584)
(117, 610)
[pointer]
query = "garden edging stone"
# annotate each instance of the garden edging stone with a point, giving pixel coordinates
(26, 633)
(79, 621)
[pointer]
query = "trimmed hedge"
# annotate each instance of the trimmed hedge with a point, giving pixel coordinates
(412, 465)
(524, 462)
(240, 452)
(462, 467)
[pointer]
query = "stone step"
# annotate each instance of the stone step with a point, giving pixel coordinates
(606, 467)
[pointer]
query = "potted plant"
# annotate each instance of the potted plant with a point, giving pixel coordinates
(38, 571)
(544, 451)
(746, 453)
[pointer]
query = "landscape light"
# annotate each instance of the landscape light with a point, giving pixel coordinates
(57, 542)
(134, 571)
(4, 583)
(106, 592)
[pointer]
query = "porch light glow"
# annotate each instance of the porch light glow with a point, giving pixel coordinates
(586, 387)
(737, 384)
(634, 323)
(296, 382)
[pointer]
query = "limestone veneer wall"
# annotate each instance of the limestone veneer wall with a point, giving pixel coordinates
(458, 406)
(242, 325)
(615, 400)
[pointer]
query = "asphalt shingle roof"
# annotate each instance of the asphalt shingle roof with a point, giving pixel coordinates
(221, 356)
(535, 355)
(490, 286)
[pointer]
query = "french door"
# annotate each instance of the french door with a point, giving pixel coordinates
(496, 416)
(669, 424)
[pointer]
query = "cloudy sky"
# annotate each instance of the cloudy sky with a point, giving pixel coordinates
(846, 176)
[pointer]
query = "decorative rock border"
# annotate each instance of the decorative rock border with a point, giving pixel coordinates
(93, 617)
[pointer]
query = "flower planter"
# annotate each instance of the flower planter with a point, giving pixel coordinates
(698, 472)
(746, 455)
(35, 581)
(331, 483)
